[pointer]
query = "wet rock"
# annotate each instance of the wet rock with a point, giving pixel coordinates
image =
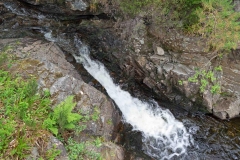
(66, 8)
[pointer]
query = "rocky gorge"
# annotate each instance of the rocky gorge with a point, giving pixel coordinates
(139, 54)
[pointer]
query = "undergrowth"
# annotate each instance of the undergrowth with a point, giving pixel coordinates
(27, 118)
(22, 112)
(215, 20)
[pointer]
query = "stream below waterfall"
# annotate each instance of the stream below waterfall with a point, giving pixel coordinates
(166, 131)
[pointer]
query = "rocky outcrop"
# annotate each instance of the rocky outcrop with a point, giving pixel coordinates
(168, 58)
(46, 62)
(163, 59)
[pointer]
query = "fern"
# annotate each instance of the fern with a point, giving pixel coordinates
(62, 117)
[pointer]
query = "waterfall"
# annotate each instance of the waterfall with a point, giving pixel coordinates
(164, 137)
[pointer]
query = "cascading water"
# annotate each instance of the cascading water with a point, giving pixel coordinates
(164, 137)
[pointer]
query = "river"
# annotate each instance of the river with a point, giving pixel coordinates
(167, 131)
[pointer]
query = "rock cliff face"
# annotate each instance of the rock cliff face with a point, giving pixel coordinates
(161, 58)
(47, 63)
(167, 58)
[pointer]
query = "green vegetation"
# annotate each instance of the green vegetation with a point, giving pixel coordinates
(134, 7)
(95, 115)
(205, 78)
(62, 118)
(212, 19)
(26, 117)
(52, 153)
(218, 23)
(79, 151)
(22, 112)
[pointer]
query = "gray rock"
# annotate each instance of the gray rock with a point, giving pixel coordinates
(158, 50)
(168, 67)
(55, 143)
(34, 154)
(159, 70)
(228, 107)
(78, 5)
(111, 151)
(157, 60)
(149, 82)
(141, 61)
(236, 5)
(207, 100)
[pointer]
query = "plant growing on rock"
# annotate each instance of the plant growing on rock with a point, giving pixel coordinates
(62, 117)
(79, 151)
(206, 78)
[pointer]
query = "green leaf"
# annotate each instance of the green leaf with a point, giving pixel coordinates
(54, 130)
(69, 126)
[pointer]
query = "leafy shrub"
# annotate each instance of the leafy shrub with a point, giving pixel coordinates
(62, 117)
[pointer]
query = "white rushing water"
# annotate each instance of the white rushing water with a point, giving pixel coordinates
(163, 136)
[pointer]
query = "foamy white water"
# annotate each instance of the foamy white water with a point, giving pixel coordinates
(163, 135)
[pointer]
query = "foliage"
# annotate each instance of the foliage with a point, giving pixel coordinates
(79, 151)
(22, 113)
(62, 117)
(52, 153)
(80, 128)
(26, 117)
(98, 142)
(206, 78)
(180, 82)
(133, 7)
(214, 20)
(218, 22)
(95, 115)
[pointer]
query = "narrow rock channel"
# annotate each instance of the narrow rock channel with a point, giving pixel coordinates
(153, 129)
